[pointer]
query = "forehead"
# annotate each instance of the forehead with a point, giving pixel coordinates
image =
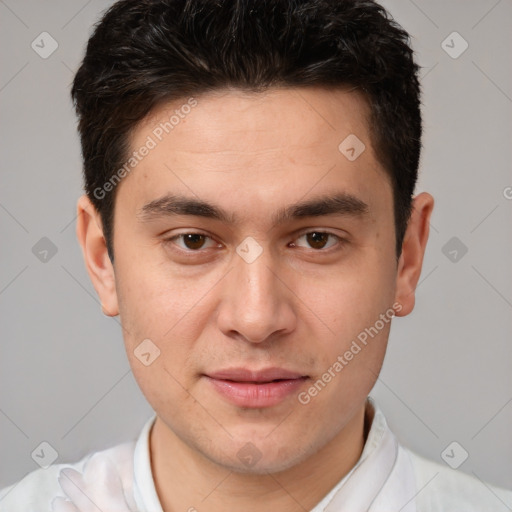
(269, 147)
(304, 116)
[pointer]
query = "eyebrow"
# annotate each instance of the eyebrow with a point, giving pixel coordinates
(333, 204)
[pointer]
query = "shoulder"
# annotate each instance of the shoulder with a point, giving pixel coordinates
(44, 489)
(443, 489)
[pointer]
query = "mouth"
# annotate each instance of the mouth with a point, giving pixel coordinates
(255, 388)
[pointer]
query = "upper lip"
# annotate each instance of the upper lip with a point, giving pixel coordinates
(247, 375)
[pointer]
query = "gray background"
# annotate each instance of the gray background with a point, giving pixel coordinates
(64, 374)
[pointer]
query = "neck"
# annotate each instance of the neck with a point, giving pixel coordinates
(185, 480)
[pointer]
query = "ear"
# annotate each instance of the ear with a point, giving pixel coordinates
(413, 250)
(89, 232)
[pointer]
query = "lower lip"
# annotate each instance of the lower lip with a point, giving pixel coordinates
(249, 394)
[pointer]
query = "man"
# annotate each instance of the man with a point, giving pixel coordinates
(249, 214)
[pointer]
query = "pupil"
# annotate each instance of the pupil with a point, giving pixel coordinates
(317, 240)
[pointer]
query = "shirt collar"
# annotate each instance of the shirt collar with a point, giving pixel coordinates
(144, 490)
(381, 480)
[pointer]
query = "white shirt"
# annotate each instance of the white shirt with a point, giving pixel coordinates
(386, 478)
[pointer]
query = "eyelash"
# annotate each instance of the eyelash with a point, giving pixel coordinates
(340, 241)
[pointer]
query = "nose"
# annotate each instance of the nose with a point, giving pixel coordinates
(257, 301)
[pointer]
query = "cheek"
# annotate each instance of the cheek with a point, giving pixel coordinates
(350, 299)
(158, 333)
(153, 301)
(160, 328)
(355, 309)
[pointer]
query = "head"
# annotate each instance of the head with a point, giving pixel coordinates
(249, 172)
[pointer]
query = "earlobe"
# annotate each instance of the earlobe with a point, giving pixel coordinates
(413, 250)
(89, 232)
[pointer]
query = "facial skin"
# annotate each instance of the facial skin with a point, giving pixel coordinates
(297, 306)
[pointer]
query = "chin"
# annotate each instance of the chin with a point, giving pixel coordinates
(260, 455)
(264, 466)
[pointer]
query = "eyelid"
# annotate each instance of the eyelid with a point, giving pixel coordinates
(188, 232)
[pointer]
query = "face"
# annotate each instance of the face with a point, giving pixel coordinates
(259, 260)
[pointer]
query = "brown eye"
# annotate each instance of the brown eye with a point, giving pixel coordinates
(193, 240)
(317, 240)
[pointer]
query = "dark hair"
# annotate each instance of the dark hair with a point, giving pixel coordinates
(146, 52)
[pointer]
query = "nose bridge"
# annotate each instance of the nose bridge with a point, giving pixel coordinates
(256, 305)
(256, 280)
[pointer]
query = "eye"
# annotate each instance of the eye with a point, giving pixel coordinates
(319, 239)
(192, 242)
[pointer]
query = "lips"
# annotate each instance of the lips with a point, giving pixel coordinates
(259, 376)
(255, 388)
